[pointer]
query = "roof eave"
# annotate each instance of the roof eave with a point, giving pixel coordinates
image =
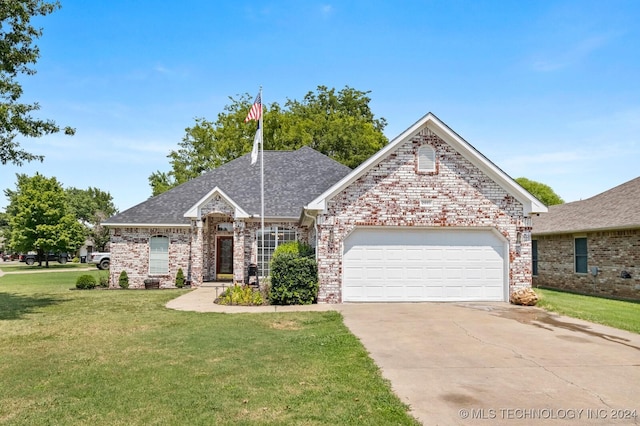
(144, 225)
(584, 230)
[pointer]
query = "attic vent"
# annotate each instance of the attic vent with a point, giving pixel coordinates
(426, 159)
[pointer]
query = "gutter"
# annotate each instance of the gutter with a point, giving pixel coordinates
(315, 226)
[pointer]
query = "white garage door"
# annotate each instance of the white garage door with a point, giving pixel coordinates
(405, 265)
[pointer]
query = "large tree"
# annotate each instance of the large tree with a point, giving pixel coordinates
(91, 207)
(17, 55)
(339, 124)
(541, 191)
(40, 219)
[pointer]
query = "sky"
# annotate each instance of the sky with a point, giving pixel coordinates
(548, 90)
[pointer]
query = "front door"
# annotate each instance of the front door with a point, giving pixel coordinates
(224, 255)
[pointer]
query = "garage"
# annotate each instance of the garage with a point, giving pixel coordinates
(388, 264)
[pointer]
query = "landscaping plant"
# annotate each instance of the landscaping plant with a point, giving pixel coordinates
(123, 280)
(86, 282)
(180, 278)
(240, 295)
(294, 275)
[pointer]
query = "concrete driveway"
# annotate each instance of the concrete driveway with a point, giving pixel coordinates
(494, 363)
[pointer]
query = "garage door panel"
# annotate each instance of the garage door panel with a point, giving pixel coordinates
(423, 264)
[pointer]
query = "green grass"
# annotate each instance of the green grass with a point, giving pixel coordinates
(119, 357)
(614, 313)
(22, 267)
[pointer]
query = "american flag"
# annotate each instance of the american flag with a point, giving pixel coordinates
(256, 110)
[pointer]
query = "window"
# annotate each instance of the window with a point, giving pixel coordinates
(225, 227)
(534, 257)
(581, 255)
(426, 159)
(273, 237)
(158, 255)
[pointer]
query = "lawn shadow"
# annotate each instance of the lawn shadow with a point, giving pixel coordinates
(15, 306)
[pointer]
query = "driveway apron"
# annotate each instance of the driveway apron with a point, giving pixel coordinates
(495, 363)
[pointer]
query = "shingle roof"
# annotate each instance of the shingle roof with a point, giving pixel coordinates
(617, 208)
(291, 180)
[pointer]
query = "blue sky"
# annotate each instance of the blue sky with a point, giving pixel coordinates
(548, 90)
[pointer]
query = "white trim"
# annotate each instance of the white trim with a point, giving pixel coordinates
(433, 123)
(195, 210)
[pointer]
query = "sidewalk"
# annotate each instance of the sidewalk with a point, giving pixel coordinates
(201, 300)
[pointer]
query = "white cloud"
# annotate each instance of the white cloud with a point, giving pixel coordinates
(326, 10)
(569, 55)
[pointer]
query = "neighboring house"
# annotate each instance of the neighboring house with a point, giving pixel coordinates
(591, 246)
(426, 218)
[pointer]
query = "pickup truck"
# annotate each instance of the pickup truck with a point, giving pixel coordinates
(101, 259)
(31, 258)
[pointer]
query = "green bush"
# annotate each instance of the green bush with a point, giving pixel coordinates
(103, 280)
(85, 282)
(240, 295)
(180, 278)
(75, 260)
(294, 275)
(123, 280)
(294, 247)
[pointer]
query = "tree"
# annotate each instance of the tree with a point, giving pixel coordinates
(40, 219)
(17, 53)
(339, 124)
(91, 207)
(541, 191)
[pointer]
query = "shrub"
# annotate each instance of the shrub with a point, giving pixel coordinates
(123, 280)
(103, 280)
(85, 282)
(294, 247)
(294, 276)
(180, 278)
(75, 260)
(240, 295)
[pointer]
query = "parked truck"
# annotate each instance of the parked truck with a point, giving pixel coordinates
(101, 259)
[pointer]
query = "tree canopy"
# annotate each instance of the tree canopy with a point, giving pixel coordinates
(340, 124)
(38, 201)
(39, 218)
(17, 53)
(541, 191)
(91, 207)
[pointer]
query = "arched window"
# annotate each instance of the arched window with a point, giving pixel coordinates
(426, 159)
(158, 255)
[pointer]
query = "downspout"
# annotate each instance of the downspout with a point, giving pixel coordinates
(315, 226)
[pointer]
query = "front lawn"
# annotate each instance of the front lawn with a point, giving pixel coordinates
(119, 357)
(614, 313)
(22, 267)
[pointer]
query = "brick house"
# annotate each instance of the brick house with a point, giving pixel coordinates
(591, 246)
(427, 218)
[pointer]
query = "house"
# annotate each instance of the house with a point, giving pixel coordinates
(591, 246)
(427, 218)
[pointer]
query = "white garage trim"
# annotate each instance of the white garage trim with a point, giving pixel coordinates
(383, 264)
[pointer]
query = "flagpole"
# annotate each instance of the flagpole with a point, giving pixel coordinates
(262, 181)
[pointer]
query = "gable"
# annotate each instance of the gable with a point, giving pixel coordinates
(216, 201)
(430, 126)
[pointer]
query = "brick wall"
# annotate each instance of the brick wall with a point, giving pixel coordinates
(390, 194)
(130, 252)
(612, 252)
